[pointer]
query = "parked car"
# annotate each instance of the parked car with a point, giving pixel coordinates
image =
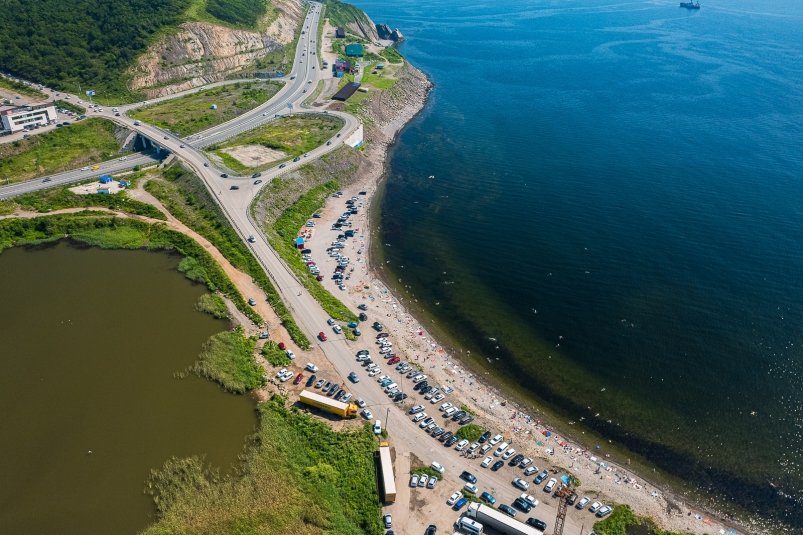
(470, 488)
(461, 445)
(594, 507)
(522, 505)
(414, 480)
(485, 436)
(423, 479)
(437, 467)
(604, 511)
(378, 427)
(508, 510)
(551, 485)
(486, 462)
(520, 483)
(388, 521)
(582, 503)
(310, 367)
(536, 523)
(488, 497)
(468, 476)
(540, 477)
(460, 503)
(453, 498)
(497, 465)
(508, 454)
(367, 414)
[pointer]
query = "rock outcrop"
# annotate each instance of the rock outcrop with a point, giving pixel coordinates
(384, 32)
(201, 53)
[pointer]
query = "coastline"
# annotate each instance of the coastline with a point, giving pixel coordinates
(489, 397)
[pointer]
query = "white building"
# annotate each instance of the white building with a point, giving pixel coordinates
(16, 118)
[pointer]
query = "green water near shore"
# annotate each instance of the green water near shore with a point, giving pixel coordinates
(92, 342)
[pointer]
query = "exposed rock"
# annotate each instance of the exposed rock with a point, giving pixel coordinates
(201, 53)
(384, 32)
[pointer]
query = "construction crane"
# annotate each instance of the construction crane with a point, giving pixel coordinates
(562, 494)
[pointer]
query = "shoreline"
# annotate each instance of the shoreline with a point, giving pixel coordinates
(493, 402)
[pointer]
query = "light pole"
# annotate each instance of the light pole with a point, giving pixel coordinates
(387, 417)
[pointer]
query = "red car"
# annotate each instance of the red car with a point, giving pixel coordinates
(394, 360)
(298, 378)
(319, 278)
(322, 336)
(282, 346)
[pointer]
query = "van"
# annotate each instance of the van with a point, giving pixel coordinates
(448, 412)
(469, 526)
(390, 387)
(502, 447)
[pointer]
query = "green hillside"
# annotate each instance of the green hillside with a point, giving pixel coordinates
(64, 43)
(341, 15)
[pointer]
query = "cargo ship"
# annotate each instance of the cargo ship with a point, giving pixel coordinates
(690, 5)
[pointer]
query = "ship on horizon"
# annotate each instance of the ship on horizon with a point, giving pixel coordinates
(690, 5)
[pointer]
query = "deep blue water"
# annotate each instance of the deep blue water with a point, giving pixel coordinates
(618, 200)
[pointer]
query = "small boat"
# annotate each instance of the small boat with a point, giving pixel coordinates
(690, 5)
(431, 177)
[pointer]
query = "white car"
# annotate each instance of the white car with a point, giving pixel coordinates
(373, 372)
(382, 378)
(487, 462)
(378, 427)
(360, 403)
(337, 329)
(453, 498)
(520, 483)
(437, 467)
(290, 354)
(502, 447)
(367, 414)
(525, 462)
(594, 506)
(85, 168)
(423, 479)
(470, 487)
(508, 454)
(494, 440)
(551, 485)
(604, 510)
(582, 503)
(310, 367)
(414, 480)
(281, 373)
(445, 406)
(420, 416)
(530, 470)
(485, 448)
(461, 445)
(529, 499)
(437, 398)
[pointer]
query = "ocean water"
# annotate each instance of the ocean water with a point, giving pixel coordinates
(616, 220)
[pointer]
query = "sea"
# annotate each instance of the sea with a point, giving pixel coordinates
(603, 202)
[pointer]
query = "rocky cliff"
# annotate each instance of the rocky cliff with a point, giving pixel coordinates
(201, 53)
(384, 32)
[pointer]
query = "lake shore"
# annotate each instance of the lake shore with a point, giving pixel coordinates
(495, 409)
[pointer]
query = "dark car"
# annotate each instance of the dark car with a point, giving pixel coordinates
(540, 477)
(296, 159)
(536, 523)
(256, 175)
(431, 530)
(378, 326)
(281, 166)
(362, 306)
(224, 175)
(468, 476)
(446, 436)
(450, 441)
(497, 465)
(516, 460)
(508, 510)
(522, 505)
(460, 503)
(310, 380)
(571, 499)
(485, 436)
(459, 414)
(438, 431)
(257, 182)
(467, 419)
(363, 316)
(401, 396)
(235, 187)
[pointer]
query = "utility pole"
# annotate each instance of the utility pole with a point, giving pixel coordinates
(387, 418)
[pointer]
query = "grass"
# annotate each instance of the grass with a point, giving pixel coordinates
(184, 196)
(213, 305)
(392, 55)
(298, 476)
(285, 230)
(192, 113)
(110, 232)
(379, 80)
(470, 432)
(70, 106)
(228, 359)
(198, 12)
(293, 135)
(84, 143)
(21, 89)
(621, 518)
(59, 198)
(274, 355)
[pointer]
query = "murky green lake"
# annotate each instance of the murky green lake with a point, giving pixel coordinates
(90, 342)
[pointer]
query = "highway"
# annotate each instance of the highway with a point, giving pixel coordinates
(405, 434)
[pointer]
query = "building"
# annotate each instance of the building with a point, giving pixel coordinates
(16, 118)
(355, 50)
(346, 91)
(341, 67)
(340, 33)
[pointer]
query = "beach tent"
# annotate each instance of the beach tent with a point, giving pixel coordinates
(300, 242)
(565, 479)
(105, 179)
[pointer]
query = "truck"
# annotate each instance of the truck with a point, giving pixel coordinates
(488, 516)
(388, 478)
(345, 410)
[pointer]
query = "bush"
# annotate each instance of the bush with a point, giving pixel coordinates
(214, 305)
(426, 470)
(274, 355)
(617, 522)
(237, 12)
(470, 432)
(228, 359)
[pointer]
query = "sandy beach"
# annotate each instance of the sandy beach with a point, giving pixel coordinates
(415, 344)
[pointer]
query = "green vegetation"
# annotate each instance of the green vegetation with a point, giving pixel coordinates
(63, 43)
(470, 432)
(341, 14)
(245, 13)
(83, 143)
(193, 113)
(293, 135)
(70, 106)
(285, 230)
(621, 518)
(274, 355)
(381, 80)
(186, 197)
(467, 409)
(228, 359)
(299, 476)
(213, 305)
(20, 88)
(110, 232)
(59, 198)
(392, 55)
(426, 470)
(7, 207)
